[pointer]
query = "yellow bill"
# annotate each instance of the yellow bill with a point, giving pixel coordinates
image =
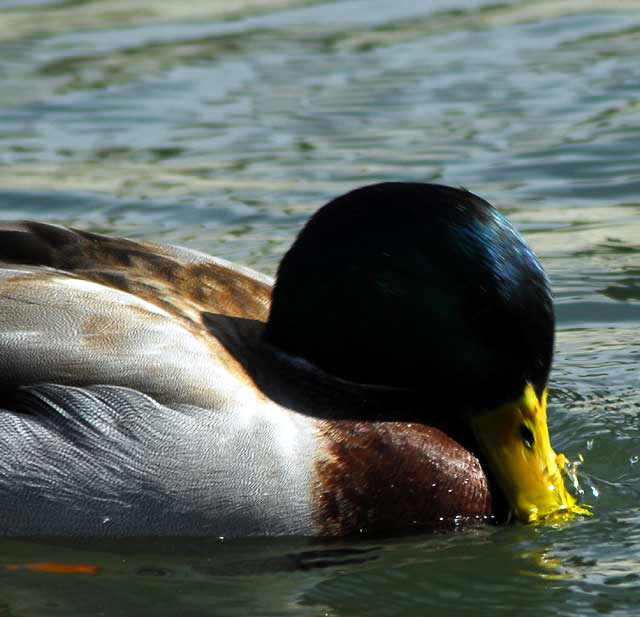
(514, 439)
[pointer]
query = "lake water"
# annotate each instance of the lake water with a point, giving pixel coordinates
(223, 125)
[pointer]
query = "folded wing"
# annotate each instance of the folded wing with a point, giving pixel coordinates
(80, 309)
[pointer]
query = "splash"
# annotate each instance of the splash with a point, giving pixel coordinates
(569, 507)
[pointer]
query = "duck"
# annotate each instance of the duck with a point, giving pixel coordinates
(392, 380)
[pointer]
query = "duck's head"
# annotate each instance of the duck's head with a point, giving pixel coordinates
(428, 288)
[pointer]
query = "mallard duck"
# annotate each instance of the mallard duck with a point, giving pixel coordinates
(393, 380)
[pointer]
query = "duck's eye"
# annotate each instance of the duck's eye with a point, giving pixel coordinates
(527, 436)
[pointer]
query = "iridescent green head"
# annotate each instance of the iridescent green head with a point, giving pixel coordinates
(419, 286)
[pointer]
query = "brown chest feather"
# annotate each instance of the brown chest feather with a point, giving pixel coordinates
(393, 477)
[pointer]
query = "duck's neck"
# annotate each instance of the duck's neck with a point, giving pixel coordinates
(296, 384)
(299, 385)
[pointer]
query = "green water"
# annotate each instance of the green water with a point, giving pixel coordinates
(223, 125)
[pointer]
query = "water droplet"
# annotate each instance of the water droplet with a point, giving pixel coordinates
(595, 491)
(589, 444)
(105, 520)
(633, 459)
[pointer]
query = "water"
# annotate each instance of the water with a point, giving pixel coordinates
(222, 126)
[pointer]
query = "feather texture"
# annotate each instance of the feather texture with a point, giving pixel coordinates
(106, 460)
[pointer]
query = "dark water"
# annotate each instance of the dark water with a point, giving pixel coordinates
(223, 125)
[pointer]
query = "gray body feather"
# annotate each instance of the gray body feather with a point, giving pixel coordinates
(120, 413)
(111, 461)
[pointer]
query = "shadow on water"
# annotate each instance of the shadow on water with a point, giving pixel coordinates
(543, 571)
(162, 576)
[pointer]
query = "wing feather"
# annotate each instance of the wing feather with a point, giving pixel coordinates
(79, 308)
